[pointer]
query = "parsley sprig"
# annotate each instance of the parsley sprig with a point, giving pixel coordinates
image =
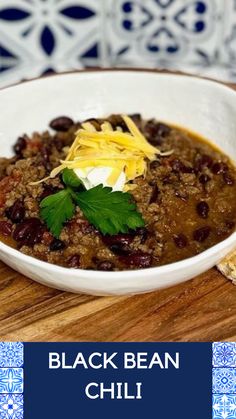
(110, 212)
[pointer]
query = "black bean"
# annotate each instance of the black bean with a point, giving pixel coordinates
(177, 165)
(137, 259)
(156, 132)
(105, 265)
(74, 261)
(136, 117)
(203, 209)
(155, 164)
(204, 179)
(201, 234)
(228, 179)
(219, 167)
(5, 228)
(95, 123)
(180, 240)
(62, 123)
(29, 232)
(117, 121)
(230, 224)
(202, 162)
(142, 232)
(16, 212)
(47, 191)
(57, 244)
(19, 146)
(154, 195)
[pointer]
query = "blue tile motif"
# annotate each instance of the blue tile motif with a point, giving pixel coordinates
(165, 31)
(11, 354)
(11, 380)
(37, 35)
(224, 406)
(11, 406)
(224, 380)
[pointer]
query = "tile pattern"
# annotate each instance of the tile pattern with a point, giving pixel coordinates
(11, 380)
(41, 36)
(11, 406)
(224, 380)
(11, 354)
(158, 31)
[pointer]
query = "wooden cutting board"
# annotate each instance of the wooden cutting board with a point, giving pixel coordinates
(203, 309)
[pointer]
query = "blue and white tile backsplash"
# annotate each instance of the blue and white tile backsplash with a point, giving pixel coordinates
(40, 36)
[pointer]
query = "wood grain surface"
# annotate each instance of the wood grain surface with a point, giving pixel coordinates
(203, 309)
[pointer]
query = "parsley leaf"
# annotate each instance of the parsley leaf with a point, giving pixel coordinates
(70, 179)
(110, 212)
(56, 209)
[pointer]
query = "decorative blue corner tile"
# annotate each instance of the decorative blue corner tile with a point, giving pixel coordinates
(224, 380)
(11, 380)
(224, 406)
(11, 406)
(11, 354)
(224, 354)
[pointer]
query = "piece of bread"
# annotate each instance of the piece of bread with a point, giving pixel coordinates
(228, 267)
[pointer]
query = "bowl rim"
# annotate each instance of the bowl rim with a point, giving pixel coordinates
(132, 273)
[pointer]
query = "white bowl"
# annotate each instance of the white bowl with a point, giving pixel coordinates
(205, 107)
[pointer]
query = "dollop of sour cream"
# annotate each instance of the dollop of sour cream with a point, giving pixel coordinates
(94, 176)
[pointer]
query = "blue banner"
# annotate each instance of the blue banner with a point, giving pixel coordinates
(159, 380)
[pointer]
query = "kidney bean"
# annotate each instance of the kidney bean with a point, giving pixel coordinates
(29, 232)
(5, 228)
(154, 195)
(203, 209)
(204, 179)
(19, 146)
(219, 167)
(16, 212)
(105, 265)
(180, 240)
(118, 239)
(201, 234)
(62, 123)
(57, 244)
(228, 179)
(138, 259)
(74, 261)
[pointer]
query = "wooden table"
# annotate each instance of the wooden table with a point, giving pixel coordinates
(203, 309)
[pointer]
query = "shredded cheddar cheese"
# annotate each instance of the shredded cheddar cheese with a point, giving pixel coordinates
(126, 152)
